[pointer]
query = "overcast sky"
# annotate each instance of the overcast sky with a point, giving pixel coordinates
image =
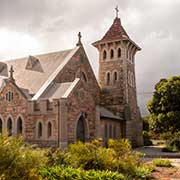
(41, 26)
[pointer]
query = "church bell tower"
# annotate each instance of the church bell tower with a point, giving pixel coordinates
(116, 77)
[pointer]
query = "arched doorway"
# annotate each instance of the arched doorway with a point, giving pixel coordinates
(81, 129)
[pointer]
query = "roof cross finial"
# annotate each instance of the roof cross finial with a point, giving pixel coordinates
(117, 11)
(79, 39)
(11, 71)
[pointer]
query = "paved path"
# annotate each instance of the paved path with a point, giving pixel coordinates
(151, 152)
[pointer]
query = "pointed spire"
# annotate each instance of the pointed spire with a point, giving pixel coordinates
(11, 71)
(117, 11)
(79, 39)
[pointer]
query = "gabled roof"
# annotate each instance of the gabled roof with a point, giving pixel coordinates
(55, 91)
(59, 90)
(50, 63)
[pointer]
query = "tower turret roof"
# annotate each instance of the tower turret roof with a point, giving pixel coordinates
(115, 33)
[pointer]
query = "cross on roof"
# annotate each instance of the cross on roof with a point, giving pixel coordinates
(11, 71)
(79, 39)
(117, 11)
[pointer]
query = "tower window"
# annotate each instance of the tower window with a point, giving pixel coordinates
(104, 55)
(108, 79)
(49, 130)
(119, 52)
(111, 53)
(115, 77)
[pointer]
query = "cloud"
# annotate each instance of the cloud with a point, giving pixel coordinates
(53, 25)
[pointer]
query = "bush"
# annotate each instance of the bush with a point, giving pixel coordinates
(57, 157)
(162, 162)
(172, 142)
(126, 160)
(69, 173)
(81, 161)
(146, 137)
(18, 161)
(90, 156)
(143, 171)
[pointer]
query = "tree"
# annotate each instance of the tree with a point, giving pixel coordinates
(164, 106)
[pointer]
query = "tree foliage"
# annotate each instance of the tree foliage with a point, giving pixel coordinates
(164, 106)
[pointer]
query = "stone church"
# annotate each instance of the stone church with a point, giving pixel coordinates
(55, 99)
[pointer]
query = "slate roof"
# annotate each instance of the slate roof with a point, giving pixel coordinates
(108, 114)
(57, 90)
(40, 74)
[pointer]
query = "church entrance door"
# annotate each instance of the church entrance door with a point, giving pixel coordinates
(81, 130)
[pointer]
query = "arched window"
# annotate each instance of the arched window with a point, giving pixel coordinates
(19, 126)
(108, 79)
(104, 54)
(1, 126)
(111, 53)
(39, 133)
(9, 96)
(9, 126)
(119, 52)
(115, 77)
(49, 130)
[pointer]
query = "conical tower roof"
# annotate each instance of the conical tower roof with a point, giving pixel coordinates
(115, 33)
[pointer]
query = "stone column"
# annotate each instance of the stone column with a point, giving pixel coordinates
(63, 140)
(98, 125)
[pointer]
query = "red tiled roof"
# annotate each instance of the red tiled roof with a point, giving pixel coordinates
(116, 31)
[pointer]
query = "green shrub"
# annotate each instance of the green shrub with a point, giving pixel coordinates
(57, 157)
(117, 157)
(143, 171)
(146, 137)
(90, 156)
(68, 173)
(18, 161)
(162, 162)
(172, 142)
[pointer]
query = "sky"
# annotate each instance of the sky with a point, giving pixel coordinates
(29, 27)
